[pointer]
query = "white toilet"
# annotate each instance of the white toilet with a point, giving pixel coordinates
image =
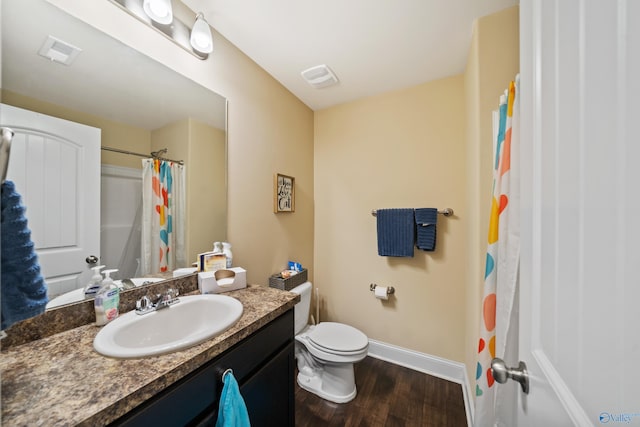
(326, 352)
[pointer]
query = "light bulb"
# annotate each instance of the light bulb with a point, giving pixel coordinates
(201, 39)
(159, 10)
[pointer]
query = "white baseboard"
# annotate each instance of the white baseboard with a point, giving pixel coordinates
(438, 367)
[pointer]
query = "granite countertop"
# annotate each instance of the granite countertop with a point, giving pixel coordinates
(61, 380)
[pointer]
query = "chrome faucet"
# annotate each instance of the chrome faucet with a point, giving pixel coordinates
(168, 298)
(144, 305)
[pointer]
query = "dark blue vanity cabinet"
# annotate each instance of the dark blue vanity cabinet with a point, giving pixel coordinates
(263, 365)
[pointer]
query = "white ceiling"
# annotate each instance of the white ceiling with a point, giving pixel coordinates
(373, 46)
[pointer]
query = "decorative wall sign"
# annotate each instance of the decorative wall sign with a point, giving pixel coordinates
(284, 199)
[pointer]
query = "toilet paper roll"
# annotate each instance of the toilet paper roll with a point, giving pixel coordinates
(381, 292)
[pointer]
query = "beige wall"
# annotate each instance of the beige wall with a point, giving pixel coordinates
(114, 134)
(269, 131)
(399, 149)
(367, 150)
(206, 197)
(174, 137)
(492, 63)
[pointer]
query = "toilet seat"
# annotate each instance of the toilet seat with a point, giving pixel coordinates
(332, 351)
(338, 338)
(335, 342)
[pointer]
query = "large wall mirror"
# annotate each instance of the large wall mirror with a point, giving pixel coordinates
(140, 106)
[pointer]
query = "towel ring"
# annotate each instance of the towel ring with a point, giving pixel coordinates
(227, 371)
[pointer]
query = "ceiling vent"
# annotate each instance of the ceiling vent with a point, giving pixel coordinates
(59, 51)
(319, 76)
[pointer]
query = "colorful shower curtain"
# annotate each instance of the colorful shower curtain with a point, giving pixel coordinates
(498, 325)
(163, 216)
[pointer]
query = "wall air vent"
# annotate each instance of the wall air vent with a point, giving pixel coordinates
(59, 51)
(319, 76)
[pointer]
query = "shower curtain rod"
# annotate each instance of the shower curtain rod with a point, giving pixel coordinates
(154, 154)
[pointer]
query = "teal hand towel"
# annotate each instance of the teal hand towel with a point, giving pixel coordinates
(232, 411)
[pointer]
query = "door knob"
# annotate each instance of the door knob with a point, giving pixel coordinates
(91, 259)
(501, 373)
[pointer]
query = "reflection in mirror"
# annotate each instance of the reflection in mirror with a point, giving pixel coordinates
(139, 105)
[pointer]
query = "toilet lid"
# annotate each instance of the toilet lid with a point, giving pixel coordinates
(337, 337)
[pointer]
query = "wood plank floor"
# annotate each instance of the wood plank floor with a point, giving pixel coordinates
(388, 395)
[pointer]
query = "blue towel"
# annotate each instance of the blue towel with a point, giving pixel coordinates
(426, 222)
(232, 411)
(22, 288)
(396, 232)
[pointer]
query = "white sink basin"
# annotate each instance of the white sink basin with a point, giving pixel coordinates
(78, 294)
(189, 322)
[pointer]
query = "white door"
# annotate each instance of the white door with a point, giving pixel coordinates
(580, 265)
(55, 165)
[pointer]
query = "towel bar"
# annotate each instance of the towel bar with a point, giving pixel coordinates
(445, 212)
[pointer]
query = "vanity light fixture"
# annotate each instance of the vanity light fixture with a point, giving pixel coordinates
(201, 39)
(158, 14)
(159, 10)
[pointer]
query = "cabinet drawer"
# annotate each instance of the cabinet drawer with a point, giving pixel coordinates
(198, 392)
(246, 356)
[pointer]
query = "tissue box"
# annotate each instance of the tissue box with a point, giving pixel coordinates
(224, 280)
(276, 281)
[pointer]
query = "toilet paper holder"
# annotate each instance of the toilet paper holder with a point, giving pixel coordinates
(390, 289)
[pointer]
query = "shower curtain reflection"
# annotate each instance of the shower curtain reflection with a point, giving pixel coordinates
(163, 216)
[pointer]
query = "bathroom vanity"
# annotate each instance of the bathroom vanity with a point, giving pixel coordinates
(61, 380)
(263, 365)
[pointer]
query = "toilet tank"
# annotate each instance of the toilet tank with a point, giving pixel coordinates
(301, 309)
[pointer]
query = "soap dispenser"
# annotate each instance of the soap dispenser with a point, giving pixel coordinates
(107, 300)
(95, 283)
(226, 249)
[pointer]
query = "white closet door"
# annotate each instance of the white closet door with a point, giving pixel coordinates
(55, 165)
